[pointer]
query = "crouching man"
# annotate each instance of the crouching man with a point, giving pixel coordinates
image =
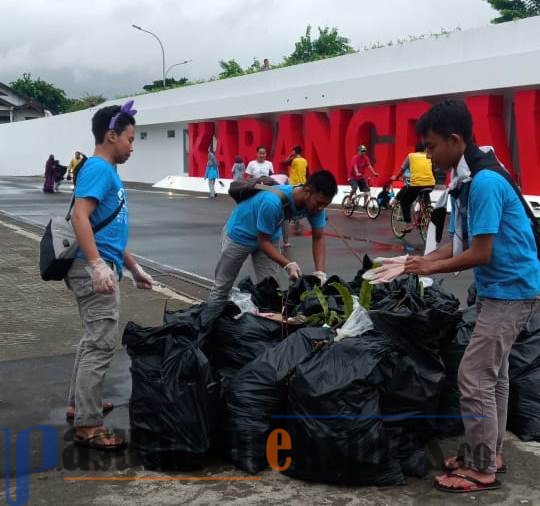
(254, 228)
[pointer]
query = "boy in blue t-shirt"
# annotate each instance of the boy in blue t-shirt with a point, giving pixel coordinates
(502, 251)
(254, 228)
(93, 277)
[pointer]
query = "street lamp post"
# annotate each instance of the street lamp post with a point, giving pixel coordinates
(176, 65)
(162, 51)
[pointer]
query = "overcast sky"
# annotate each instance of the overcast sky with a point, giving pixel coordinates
(89, 46)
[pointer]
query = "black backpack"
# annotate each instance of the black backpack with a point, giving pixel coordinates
(478, 160)
(244, 189)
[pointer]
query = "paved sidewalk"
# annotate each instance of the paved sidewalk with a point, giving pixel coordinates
(39, 328)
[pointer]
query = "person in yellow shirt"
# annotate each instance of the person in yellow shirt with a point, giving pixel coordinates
(73, 165)
(420, 177)
(298, 166)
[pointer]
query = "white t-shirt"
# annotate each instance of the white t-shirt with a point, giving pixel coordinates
(257, 169)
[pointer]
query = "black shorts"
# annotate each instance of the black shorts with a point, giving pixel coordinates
(359, 183)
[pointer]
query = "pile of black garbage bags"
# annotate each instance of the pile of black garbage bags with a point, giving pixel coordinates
(359, 410)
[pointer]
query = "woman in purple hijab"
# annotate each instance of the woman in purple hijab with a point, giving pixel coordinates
(50, 173)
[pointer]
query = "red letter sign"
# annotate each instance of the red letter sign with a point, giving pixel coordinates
(527, 109)
(407, 114)
(487, 114)
(227, 145)
(288, 136)
(324, 140)
(366, 127)
(200, 137)
(253, 133)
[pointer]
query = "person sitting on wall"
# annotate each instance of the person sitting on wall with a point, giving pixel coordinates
(421, 178)
(254, 228)
(260, 166)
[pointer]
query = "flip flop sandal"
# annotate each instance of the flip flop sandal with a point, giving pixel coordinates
(476, 485)
(460, 460)
(106, 408)
(93, 441)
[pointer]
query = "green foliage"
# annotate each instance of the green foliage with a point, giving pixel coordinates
(515, 9)
(52, 98)
(327, 316)
(412, 38)
(328, 44)
(85, 102)
(254, 67)
(346, 298)
(169, 82)
(230, 68)
(365, 294)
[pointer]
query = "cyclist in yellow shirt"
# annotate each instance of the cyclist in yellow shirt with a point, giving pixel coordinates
(419, 166)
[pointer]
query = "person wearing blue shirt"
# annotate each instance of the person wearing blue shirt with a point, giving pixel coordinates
(254, 228)
(96, 270)
(500, 245)
(212, 172)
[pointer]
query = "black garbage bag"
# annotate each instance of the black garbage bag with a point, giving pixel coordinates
(234, 342)
(417, 327)
(471, 294)
(173, 398)
(334, 419)
(258, 392)
(311, 305)
(301, 285)
(400, 312)
(356, 283)
(201, 318)
(450, 422)
(524, 372)
(266, 295)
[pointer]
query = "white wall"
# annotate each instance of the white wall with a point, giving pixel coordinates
(157, 156)
(492, 58)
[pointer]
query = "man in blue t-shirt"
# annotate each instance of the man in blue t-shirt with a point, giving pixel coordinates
(97, 268)
(502, 251)
(254, 228)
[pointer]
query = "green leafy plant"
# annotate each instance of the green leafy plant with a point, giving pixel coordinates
(329, 316)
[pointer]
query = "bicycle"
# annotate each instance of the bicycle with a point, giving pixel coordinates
(361, 200)
(421, 210)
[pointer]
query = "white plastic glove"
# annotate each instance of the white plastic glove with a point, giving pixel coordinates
(103, 277)
(390, 270)
(392, 260)
(321, 275)
(141, 279)
(293, 270)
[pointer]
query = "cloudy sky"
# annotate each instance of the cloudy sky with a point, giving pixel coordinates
(89, 46)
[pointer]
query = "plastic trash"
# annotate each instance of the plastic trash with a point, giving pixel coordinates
(357, 324)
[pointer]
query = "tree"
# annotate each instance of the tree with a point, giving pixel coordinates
(515, 9)
(230, 68)
(49, 96)
(170, 83)
(328, 44)
(78, 104)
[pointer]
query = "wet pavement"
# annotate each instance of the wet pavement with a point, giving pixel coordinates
(40, 327)
(183, 230)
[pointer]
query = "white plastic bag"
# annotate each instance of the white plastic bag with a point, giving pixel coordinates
(243, 301)
(358, 323)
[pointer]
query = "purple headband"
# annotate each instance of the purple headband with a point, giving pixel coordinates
(125, 109)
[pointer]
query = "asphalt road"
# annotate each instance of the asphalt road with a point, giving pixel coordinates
(183, 230)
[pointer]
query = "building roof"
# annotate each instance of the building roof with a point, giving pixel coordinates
(24, 102)
(493, 57)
